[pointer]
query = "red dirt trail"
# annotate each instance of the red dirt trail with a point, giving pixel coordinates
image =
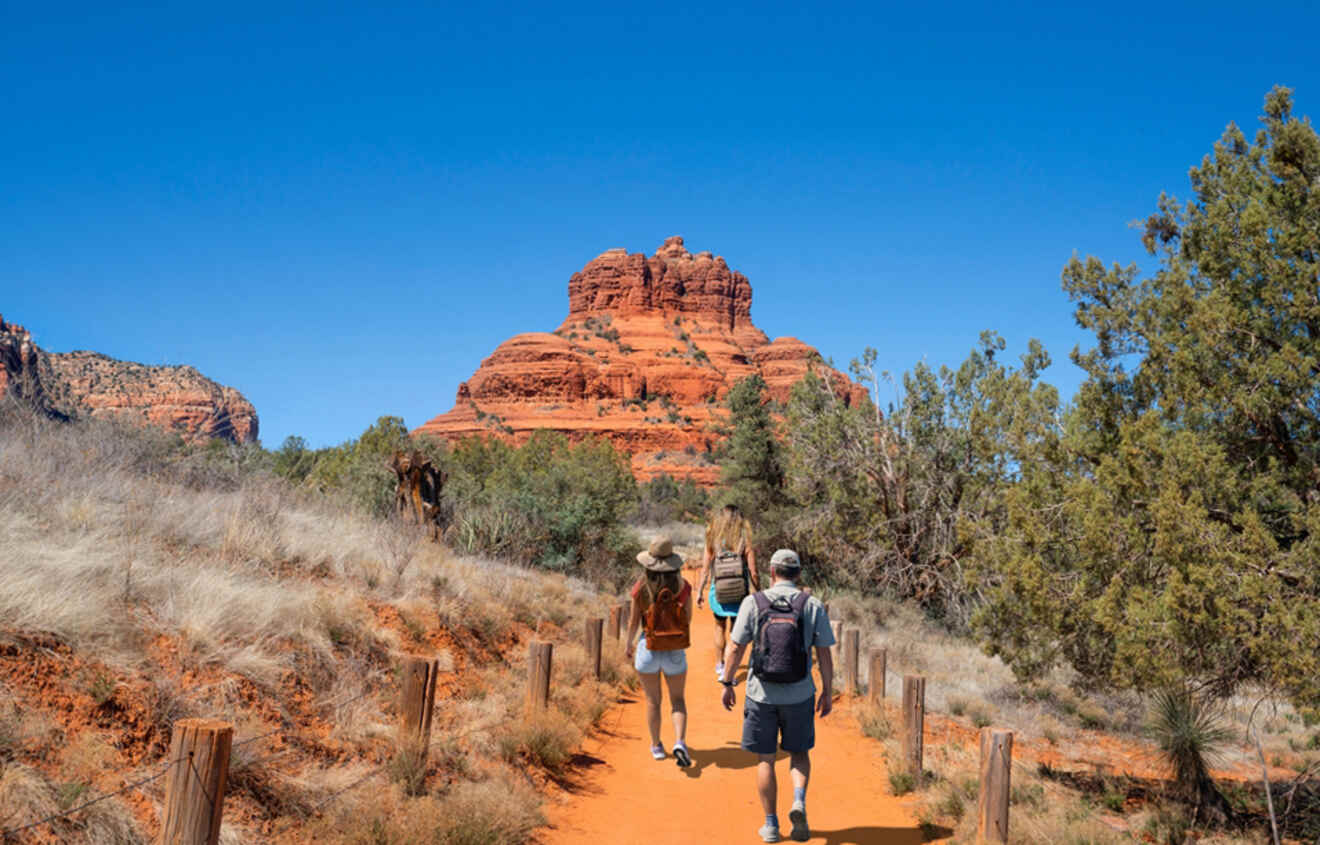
(623, 796)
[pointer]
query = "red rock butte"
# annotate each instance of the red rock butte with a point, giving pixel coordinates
(80, 385)
(649, 349)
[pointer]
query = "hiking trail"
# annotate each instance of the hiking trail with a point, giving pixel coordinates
(620, 795)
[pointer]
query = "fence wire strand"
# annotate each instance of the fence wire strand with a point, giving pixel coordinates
(55, 816)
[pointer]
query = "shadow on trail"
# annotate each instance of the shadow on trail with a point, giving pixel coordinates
(879, 835)
(729, 756)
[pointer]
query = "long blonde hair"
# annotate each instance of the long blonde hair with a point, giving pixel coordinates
(729, 531)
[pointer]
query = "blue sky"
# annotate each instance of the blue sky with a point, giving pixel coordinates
(340, 210)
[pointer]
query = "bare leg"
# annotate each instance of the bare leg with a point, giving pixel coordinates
(720, 623)
(651, 686)
(678, 705)
(766, 786)
(800, 769)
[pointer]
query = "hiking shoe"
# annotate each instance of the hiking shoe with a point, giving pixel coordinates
(658, 752)
(769, 833)
(682, 757)
(798, 816)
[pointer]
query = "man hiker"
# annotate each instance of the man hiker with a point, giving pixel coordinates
(783, 624)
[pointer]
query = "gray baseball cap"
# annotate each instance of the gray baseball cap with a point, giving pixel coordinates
(785, 559)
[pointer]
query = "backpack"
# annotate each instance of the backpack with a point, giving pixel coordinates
(663, 621)
(730, 579)
(779, 653)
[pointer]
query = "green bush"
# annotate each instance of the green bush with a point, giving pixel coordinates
(664, 499)
(549, 503)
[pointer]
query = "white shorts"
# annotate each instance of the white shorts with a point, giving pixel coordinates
(649, 662)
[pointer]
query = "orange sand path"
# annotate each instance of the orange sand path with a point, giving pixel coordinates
(624, 796)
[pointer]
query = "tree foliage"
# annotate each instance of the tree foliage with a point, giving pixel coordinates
(892, 501)
(1178, 538)
(751, 463)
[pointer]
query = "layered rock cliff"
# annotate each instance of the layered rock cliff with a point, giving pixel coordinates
(79, 385)
(649, 349)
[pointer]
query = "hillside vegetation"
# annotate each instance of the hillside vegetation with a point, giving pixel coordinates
(145, 581)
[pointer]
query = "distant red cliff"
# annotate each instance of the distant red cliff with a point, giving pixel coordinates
(77, 385)
(649, 349)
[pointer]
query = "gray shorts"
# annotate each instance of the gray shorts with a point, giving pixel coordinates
(791, 727)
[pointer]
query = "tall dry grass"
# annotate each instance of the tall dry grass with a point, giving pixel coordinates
(116, 540)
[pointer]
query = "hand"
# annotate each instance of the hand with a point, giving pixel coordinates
(825, 703)
(730, 698)
(701, 600)
(630, 650)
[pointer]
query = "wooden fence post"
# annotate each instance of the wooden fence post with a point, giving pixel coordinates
(837, 649)
(851, 646)
(914, 722)
(417, 702)
(594, 634)
(614, 622)
(538, 675)
(996, 768)
(195, 785)
(876, 683)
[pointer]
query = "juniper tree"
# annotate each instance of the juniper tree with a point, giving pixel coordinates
(1183, 547)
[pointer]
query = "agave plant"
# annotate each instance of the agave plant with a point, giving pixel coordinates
(1191, 732)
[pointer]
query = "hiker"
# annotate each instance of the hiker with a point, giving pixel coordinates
(783, 624)
(729, 566)
(662, 607)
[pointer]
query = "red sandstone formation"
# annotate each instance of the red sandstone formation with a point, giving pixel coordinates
(650, 347)
(87, 384)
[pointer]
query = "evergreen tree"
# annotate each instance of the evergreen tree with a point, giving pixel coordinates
(1183, 540)
(751, 466)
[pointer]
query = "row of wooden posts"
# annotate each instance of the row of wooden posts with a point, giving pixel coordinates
(200, 748)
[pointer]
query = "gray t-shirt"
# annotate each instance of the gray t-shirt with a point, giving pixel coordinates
(815, 631)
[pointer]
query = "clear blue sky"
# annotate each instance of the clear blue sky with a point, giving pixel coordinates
(340, 210)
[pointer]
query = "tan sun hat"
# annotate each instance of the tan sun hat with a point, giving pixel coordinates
(660, 556)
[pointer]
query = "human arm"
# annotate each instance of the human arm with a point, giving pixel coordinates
(687, 609)
(705, 577)
(739, 638)
(825, 661)
(634, 622)
(751, 569)
(733, 655)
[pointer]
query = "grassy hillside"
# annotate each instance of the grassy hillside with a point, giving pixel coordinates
(142, 583)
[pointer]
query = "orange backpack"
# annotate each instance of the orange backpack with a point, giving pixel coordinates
(665, 628)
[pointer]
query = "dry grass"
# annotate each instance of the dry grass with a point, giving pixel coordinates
(200, 592)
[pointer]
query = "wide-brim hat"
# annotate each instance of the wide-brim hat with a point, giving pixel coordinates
(660, 556)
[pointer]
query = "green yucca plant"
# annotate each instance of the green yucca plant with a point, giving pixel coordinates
(1191, 732)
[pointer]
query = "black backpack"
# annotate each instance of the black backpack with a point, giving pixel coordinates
(779, 654)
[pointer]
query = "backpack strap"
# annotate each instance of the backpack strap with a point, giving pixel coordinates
(799, 602)
(762, 602)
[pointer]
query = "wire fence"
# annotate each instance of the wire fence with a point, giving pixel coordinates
(14, 831)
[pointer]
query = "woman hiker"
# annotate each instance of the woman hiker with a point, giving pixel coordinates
(662, 607)
(728, 531)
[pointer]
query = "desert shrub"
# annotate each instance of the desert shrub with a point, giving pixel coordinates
(664, 500)
(874, 722)
(547, 739)
(1191, 734)
(490, 813)
(548, 503)
(902, 782)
